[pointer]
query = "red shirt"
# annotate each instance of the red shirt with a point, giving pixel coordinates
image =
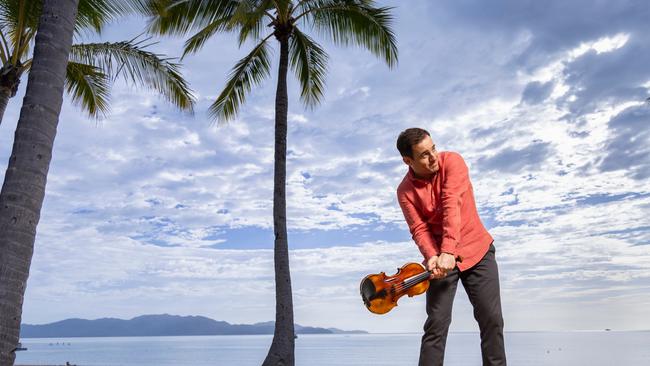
(441, 212)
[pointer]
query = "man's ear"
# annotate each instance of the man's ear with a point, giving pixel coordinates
(407, 160)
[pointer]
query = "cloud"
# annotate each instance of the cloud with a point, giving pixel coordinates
(512, 160)
(543, 101)
(613, 77)
(536, 92)
(629, 145)
(552, 27)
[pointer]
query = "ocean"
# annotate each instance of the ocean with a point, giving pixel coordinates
(597, 348)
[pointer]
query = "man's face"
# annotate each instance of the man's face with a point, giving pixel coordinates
(425, 158)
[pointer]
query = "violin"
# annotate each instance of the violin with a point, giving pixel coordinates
(380, 292)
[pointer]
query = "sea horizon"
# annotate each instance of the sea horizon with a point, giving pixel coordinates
(184, 325)
(526, 348)
(362, 332)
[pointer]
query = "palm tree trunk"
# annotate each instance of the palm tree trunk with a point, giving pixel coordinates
(5, 94)
(9, 81)
(23, 189)
(282, 347)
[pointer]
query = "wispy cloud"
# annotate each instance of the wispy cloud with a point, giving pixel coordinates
(546, 104)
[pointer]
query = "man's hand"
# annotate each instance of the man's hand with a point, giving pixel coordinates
(446, 262)
(432, 265)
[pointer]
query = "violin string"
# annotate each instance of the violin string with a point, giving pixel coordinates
(410, 282)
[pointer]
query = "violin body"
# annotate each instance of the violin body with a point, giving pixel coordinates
(380, 292)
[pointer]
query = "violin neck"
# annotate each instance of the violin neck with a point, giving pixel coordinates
(410, 282)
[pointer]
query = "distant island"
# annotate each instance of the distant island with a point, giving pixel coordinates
(158, 325)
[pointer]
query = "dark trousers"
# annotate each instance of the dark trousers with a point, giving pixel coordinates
(481, 283)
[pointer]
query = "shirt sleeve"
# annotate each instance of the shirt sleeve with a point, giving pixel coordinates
(454, 186)
(419, 228)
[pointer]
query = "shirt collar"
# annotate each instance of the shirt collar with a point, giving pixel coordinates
(418, 182)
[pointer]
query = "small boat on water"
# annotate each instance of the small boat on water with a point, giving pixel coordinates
(20, 347)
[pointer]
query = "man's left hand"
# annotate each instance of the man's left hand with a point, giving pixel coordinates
(446, 262)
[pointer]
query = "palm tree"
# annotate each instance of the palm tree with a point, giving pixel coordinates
(92, 66)
(358, 22)
(88, 70)
(23, 190)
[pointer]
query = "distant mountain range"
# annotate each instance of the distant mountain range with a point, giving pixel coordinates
(157, 325)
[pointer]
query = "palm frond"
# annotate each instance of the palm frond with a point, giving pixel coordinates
(91, 14)
(18, 22)
(196, 42)
(15, 12)
(248, 72)
(89, 87)
(354, 21)
(248, 17)
(304, 6)
(179, 17)
(5, 49)
(135, 64)
(94, 14)
(309, 60)
(283, 9)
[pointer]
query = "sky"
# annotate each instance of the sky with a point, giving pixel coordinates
(150, 210)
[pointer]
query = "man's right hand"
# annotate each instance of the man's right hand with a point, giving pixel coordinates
(432, 265)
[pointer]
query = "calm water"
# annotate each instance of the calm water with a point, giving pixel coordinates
(523, 348)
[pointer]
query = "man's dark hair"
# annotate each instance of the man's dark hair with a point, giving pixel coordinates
(408, 138)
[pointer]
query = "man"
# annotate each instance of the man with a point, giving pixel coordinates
(437, 200)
